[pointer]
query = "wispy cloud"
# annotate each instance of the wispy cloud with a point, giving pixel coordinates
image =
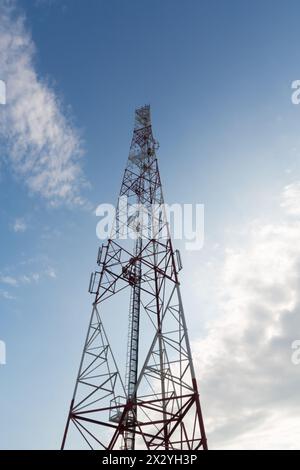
(249, 384)
(9, 280)
(290, 200)
(44, 148)
(6, 295)
(19, 225)
(28, 272)
(50, 272)
(36, 277)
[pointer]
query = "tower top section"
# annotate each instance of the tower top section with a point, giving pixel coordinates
(142, 117)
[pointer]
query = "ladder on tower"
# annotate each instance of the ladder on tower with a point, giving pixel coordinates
(132, 348)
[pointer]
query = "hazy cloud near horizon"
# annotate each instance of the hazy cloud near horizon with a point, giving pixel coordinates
(248, 383)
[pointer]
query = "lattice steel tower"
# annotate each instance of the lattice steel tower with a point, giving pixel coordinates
(157, 406)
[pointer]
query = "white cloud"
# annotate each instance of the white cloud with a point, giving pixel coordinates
(19, 225)
(6, 295)
(36, 277)
(250, 388)
(44, 148)
(291, 199)
(11, 281)
(51, 273)
(25, 279)
(29, 271)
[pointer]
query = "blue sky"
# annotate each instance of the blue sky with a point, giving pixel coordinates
(218, 77)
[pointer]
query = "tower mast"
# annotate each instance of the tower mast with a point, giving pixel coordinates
(158, 406)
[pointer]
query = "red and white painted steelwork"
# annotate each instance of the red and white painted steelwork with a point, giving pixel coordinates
(156, 406)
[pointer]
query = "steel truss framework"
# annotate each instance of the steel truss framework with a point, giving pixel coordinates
(158, 406)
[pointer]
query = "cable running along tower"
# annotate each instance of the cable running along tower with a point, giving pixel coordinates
(147, 397)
